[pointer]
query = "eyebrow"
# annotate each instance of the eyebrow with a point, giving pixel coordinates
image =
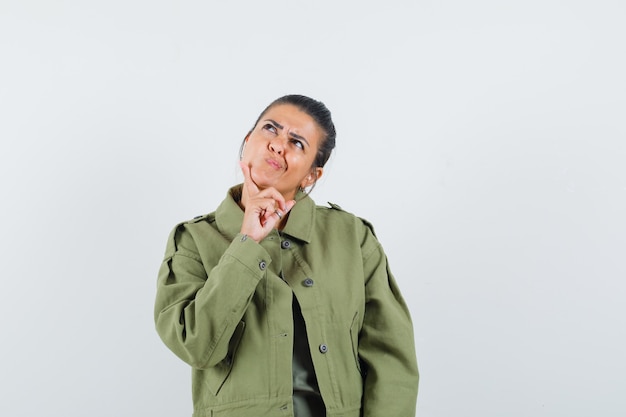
(293, 135)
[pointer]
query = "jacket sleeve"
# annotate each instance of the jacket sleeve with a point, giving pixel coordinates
(199, 306)
(386, 343)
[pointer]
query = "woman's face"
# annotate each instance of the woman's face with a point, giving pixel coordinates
(281, 149)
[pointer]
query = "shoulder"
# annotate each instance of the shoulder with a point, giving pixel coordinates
(363, 232)
(202, 218)
(336, 212)
(190, 224)
(183, 232)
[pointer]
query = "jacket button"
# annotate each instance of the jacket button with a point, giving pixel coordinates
(323, 348)
(308, 282)
(285, 244)
(262, 265)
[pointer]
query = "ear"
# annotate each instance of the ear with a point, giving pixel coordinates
(312, 177)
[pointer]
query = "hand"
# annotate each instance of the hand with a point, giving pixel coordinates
(263, 209)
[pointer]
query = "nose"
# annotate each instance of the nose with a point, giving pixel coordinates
(277, 145)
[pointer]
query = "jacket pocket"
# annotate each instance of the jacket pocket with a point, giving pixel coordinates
(217, 375)
(354, 335)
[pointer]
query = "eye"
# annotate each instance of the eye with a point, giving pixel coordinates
(270, 127)
(297, 143)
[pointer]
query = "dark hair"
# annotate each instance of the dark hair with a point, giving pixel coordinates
(319, 112)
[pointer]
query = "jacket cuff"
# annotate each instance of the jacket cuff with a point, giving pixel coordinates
(250, 254)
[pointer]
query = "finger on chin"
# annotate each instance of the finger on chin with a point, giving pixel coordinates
(247, 177)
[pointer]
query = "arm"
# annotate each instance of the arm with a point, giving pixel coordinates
(386, 344)
(198, 306)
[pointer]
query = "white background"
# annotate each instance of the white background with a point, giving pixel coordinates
(484, 139)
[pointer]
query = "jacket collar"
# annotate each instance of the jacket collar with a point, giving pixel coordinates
(229, 216)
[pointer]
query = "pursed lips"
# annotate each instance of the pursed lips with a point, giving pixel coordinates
(274, 163)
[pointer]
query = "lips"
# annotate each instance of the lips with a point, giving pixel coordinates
(274, 164)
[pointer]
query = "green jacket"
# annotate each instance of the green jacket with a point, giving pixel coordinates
(223, 309)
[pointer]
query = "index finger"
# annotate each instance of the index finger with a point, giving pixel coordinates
(247, 178)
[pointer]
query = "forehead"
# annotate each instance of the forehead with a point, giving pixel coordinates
(293, 119)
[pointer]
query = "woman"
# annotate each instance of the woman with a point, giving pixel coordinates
(281, 307)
